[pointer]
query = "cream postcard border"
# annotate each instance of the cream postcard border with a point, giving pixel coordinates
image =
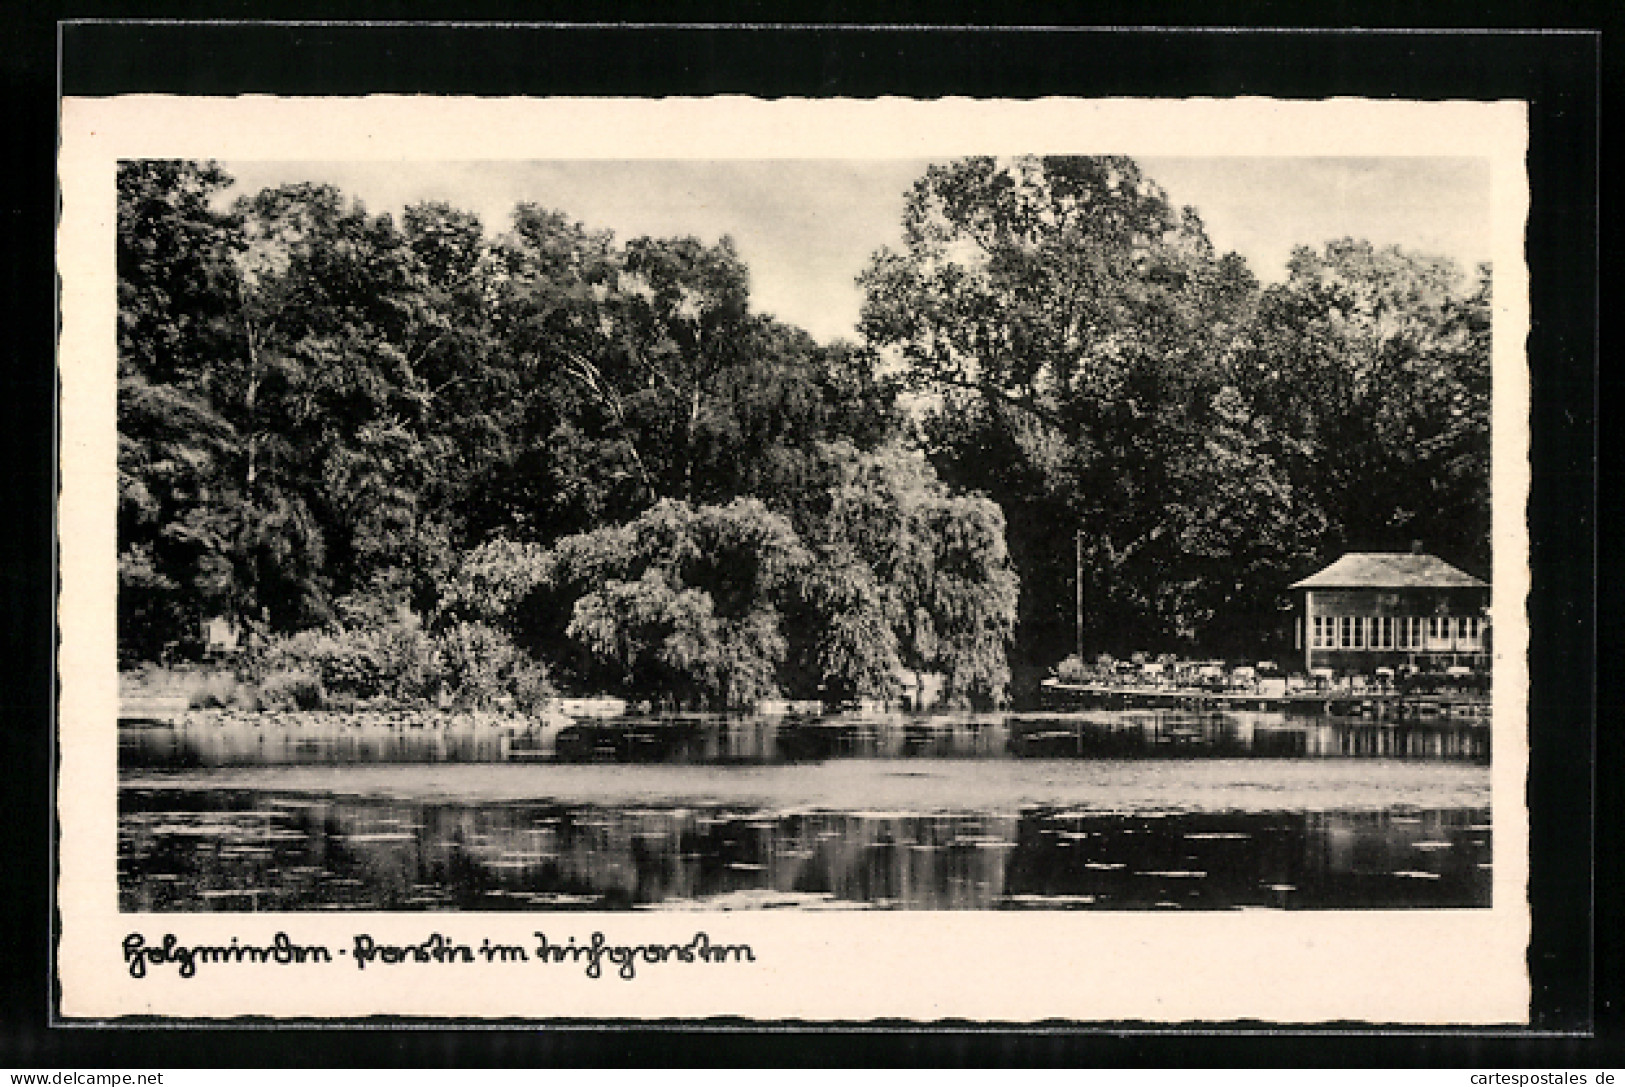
(1411, 966)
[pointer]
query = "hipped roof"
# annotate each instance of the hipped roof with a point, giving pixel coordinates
(1389, 570)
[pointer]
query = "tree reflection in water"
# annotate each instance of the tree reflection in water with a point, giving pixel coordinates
(247, 849)
(328, 739)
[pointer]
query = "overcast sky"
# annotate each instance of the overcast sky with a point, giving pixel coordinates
(807, 228)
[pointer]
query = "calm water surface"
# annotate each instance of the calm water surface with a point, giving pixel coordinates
(317, 739)
(1153, 810)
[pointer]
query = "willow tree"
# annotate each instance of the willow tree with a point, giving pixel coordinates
(724, 605)
(923, 572)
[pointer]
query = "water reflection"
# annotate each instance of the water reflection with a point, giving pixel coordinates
(321, 739)
(257, 850)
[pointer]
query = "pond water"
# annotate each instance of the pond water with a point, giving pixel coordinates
(1103, 811)
(713, 739)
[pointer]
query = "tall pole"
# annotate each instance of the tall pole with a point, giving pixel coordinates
(1077, 539)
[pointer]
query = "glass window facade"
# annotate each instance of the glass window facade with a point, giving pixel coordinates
(1381, 632)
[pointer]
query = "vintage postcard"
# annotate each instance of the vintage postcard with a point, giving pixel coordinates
(634, 560)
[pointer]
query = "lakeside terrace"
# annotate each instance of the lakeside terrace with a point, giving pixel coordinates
(1345, 700)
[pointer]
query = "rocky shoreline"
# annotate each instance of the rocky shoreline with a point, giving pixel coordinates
(395, 719)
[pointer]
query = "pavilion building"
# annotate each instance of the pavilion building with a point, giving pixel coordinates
(1371, 610)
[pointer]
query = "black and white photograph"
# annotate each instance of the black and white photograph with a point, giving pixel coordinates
(973, 534)
(1038, 535)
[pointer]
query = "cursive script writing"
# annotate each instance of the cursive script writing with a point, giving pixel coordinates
(138, 954)
(591, 954)
(625, 957)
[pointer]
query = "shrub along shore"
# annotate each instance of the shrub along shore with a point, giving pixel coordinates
(420, 718)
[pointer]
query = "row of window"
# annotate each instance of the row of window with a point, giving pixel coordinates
(1395, 632)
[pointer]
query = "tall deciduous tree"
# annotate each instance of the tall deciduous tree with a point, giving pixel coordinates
(1068, 326)
(177, 516)
(334, 460)
(646, 376)
(1369, 370)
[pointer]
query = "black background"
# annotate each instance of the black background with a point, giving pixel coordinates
(1575, 958)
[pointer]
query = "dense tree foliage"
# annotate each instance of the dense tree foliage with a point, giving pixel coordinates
(725, 605)
(1085, 356)
(331, 424)
(541, 447)
(179, 459)
(1370, 370)
(911, 575)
